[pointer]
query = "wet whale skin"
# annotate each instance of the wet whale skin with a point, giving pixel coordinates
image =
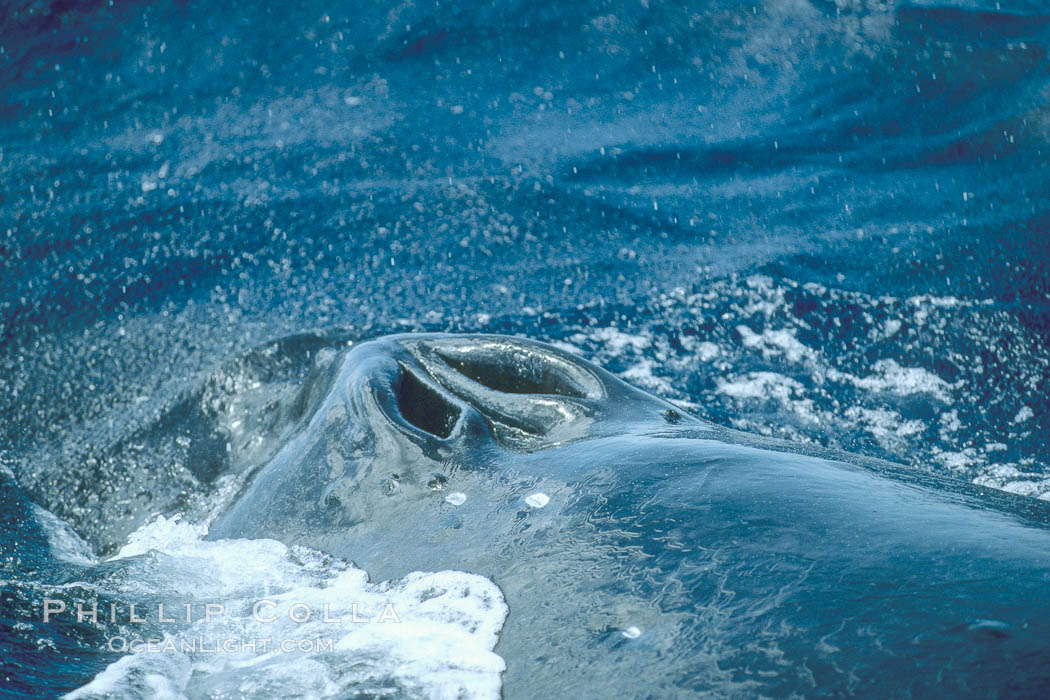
(674, 555)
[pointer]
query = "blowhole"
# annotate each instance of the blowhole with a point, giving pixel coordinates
(511, 372)
(424, 407)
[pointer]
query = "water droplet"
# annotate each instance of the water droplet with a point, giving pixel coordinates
(456, 498)
(631, 632)
(538, 500)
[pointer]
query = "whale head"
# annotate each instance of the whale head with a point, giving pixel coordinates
(418, 416)
(643, 551)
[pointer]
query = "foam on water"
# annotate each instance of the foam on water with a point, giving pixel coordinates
(906, 379)
(331, 631)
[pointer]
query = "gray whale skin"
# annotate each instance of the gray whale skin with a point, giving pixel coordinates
(746, 566)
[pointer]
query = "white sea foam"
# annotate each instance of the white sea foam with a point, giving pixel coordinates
(774, 343)
(787, 392)
(1009, 477)
(903, 381)
(832, 367)
(884, 425)
(616, 340)
(962, 459)
(761, 385)
(1026, 413)
(706, 351)
(332, 632)
(641, 373)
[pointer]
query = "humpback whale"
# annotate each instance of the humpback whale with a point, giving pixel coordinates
(644, 552)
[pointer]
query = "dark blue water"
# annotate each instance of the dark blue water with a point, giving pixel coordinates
(827, 221)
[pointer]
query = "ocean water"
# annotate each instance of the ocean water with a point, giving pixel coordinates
(827, 221)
